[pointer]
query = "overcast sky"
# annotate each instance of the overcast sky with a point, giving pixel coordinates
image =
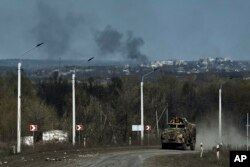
(125, 29)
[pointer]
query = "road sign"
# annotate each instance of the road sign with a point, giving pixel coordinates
(33, 128)
(137, 128)
(79, 127)
(147, 127)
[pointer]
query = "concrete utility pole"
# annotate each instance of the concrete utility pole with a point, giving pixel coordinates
(74, 106)
(167, 114)
(157, 123)
(158, 119)
(220, 108)
(142, 116)
(142, 111)
(73, 110)
(247, 130)
(19, 99)
(19, 109)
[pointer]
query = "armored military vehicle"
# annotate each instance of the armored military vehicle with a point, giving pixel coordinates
(179, 133)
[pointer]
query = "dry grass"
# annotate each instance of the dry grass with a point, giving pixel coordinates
(5, 149)
(190, 160)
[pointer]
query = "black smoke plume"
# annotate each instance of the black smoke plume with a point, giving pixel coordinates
(59, 30)
(133, 45)
(110, 41)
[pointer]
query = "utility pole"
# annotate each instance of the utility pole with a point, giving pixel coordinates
(74, 105)
(142, 111)
(19, 109)
(59, 66)
(142, 115)
(247, 130)
(158, 119)
(167, 114)
(73, 110)
(220, 108)
(19, 98)
(157, 123)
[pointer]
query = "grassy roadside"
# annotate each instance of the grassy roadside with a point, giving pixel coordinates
(51, 147)
(190, 160)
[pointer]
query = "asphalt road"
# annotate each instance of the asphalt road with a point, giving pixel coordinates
(91, 157)
(133, 158)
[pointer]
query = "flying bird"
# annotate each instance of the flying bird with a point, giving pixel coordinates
(39, 44)
(91, 58)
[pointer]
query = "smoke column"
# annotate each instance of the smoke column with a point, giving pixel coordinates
(111, 41)
(133, 46)
(108, 40)
(62, 31)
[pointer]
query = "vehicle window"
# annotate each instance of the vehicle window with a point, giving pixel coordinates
(171, 126)
(181, 126)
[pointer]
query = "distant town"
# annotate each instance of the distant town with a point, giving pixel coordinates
(42, 69)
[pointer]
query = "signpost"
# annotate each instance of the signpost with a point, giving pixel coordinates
(33, 129)
(79, 128)
(201, 145)
(137, 128)
(148, 128)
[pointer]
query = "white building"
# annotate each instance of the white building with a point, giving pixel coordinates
(55, 135)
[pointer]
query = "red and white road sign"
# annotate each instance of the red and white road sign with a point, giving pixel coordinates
(147, 127)
(79, 127)
(33, 128)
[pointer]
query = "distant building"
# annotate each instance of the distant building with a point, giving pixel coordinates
(155, 64)
(180, 62)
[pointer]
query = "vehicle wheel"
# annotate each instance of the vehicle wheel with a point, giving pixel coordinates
(192, 146)
(163, 146)
(184, 146)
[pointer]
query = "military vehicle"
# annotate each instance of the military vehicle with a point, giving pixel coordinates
(179, 133)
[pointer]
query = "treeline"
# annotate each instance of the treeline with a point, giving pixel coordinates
(108, 109)
(34, 109)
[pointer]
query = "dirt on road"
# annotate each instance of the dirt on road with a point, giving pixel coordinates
(95, 157)
(59, 157)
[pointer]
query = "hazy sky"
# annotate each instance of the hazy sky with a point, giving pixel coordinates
(125, 29)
